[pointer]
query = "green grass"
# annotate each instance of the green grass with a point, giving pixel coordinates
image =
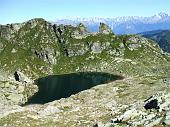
(27, 39)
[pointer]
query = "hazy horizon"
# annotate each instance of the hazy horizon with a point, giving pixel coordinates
(16, 11)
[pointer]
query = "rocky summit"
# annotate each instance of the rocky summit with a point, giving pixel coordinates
(64, 76)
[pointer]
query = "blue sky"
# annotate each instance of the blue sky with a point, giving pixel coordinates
(12, 11)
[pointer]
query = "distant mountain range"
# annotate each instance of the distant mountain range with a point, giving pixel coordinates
(123, 25)
(162, 37)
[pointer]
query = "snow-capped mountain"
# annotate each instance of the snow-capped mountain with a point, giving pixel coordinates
(123, 25)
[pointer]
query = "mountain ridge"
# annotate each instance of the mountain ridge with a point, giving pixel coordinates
(162, 37)
(53, 46)
(101, 79)
(123, 25)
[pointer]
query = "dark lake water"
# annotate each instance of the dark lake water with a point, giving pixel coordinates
(55, 87)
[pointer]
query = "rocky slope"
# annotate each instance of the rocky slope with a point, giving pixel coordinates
(162, 37)
(37, 48)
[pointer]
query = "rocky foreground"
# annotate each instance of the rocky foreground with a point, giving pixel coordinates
(36, 49)
(127, 102)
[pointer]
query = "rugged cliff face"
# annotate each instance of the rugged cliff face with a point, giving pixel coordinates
(40, 48)
(35, 49)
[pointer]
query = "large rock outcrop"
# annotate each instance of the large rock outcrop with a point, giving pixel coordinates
(104, 29)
